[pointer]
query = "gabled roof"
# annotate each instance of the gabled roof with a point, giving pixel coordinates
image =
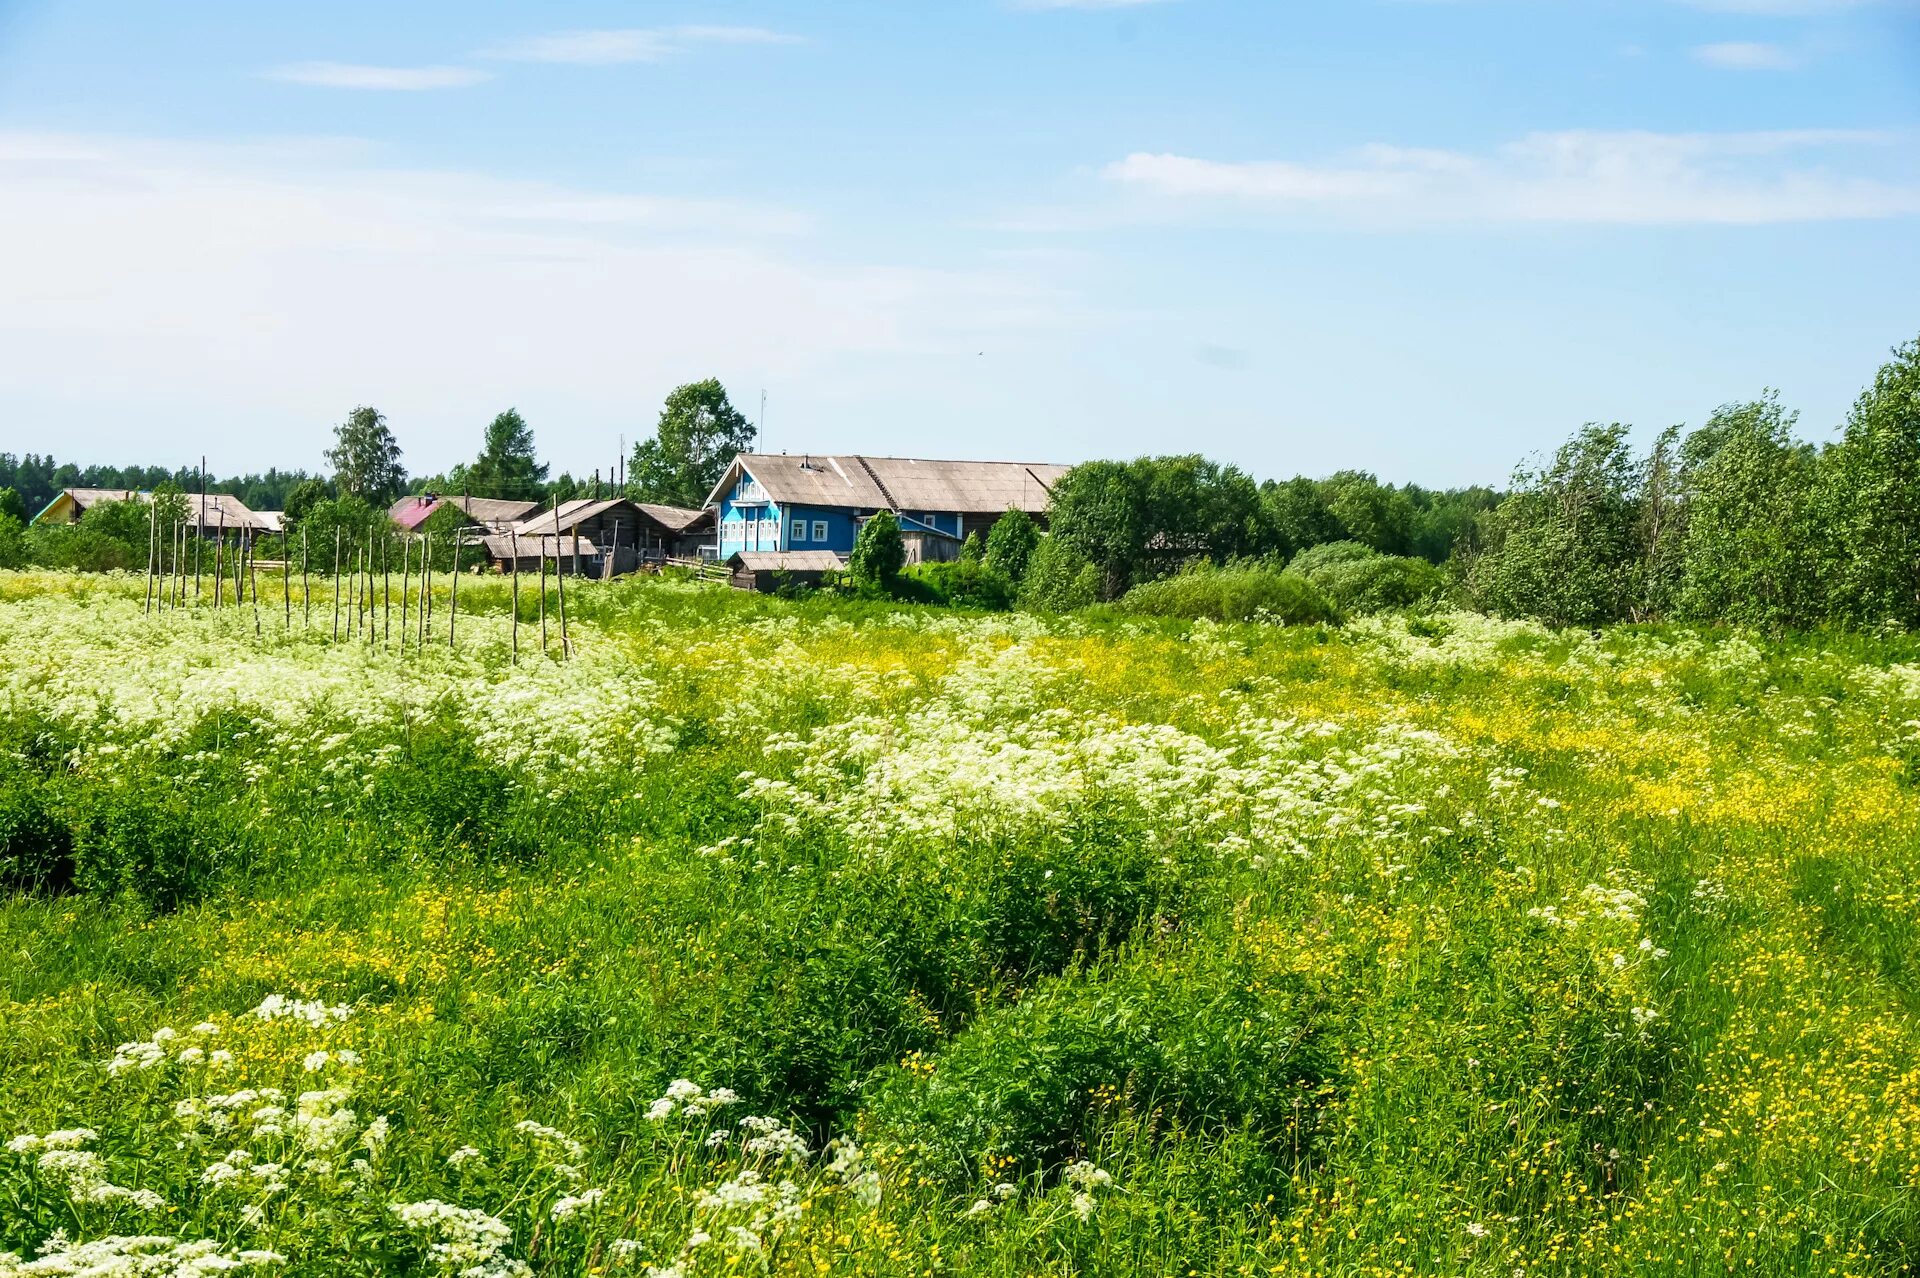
(676, 519)
(786, 560)
(214, 511)
(505, 546)
(896, 483)
(571, 514)
(409, 512)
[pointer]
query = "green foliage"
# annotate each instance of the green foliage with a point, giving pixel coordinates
(1872, 499)
(1058, 579)
(13, 506)
(507, 465)
(973, 550)
(699, 434)
(1022, 1090)
(1565, 545)
(366, 458)
(1751, 550)
(878, 552)
(305, 495)
(13, 542)
(1360, 580)
(449, 527)
(1369, 511)
(1136, 520)
(1010, 544)
(963, 583)
(1240, 592)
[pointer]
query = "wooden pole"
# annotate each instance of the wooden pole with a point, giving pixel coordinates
(426, 589)
(406, 588)
(611, 562)
(306, 586)
(336, 583)
(542, 544)
(560, 585)
(453, 591)
(153, 545)
(219, 561)
(199, 533)
(286, 577)
(180, 564)
(513, 546)
(253, 582)
(386, 592)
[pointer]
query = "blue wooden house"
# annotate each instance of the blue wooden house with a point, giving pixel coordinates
(790, 502)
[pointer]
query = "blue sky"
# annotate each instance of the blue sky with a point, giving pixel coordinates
(1420, 237)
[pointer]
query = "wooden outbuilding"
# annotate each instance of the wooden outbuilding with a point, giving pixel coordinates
(770, 570)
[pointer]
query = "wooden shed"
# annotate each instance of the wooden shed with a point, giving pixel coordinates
(768, 570)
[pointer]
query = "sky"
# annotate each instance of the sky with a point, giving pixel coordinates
(1424, 238)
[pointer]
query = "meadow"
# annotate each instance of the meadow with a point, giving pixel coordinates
(816, 937)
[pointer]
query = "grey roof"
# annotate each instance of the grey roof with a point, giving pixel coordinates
(569, 514)
(786, 560)
(673, 518)
(898, 483)
(503, 546)
(214, 511)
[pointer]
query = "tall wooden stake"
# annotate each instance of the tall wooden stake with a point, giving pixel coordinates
(153, 545)
(426, 589)
(453, 591)
(542, 543)
(336, 583)
(386, 594)
(306, 586)
(286, 577)
(560, 584)
(253, 583)
(199, 534)
(513, 546)
(219, 565)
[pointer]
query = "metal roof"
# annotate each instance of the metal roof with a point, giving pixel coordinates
(215, 510)
(898, 483)
(786, 560)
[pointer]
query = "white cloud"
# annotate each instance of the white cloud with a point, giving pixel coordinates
(1632, 178)
(1746, 55)
(348, 75)
(236, 300)
(630, 44)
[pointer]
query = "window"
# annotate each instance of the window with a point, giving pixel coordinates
(819, 530)
(799, 530)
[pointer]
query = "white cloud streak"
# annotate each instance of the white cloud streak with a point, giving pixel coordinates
(618, 46)
(1745, 55)
(1625, 178)
(350, 75)
(221, 291)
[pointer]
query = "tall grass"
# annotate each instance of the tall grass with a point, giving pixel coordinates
(1080, 945)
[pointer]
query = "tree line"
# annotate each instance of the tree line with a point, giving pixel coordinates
(1737, 521)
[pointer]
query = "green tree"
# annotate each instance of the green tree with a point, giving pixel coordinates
(698, 436)
(1010, 544)
(13, 506)
(1297, 515)
(1749, 554)
(1565, 546)
(13, 542)
(1871, 496)
(878, 553)
(1377, 514)
(305, 495)
(1100, 512)
(1059, 579)
(972, 550)
(366, 458)
(507, 465)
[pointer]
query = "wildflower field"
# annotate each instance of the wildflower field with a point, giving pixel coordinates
(834, 938)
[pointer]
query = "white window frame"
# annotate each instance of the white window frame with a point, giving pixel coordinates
(819, 530)
(798, 530)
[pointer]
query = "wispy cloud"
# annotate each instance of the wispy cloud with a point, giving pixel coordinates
(352, 75)
(1630, 178)
(1746, 55)
(615, 46)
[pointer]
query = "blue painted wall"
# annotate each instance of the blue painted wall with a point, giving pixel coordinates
(748, 522)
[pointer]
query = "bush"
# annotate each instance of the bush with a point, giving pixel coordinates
(1243, 593)
(36, 851)
(1021, 1089)
(1360, 580)
(1058, 579)
(964, 583)
(140, 837)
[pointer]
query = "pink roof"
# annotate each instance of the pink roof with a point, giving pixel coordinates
(412, 516)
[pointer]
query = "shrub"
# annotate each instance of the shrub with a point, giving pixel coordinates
(964, 583)
(1058, 579)
(36, 851)
(1010, 544)
(139, 837)
(878, 552)
(1231, 594)
(1360, 580)
(1021, 1089)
